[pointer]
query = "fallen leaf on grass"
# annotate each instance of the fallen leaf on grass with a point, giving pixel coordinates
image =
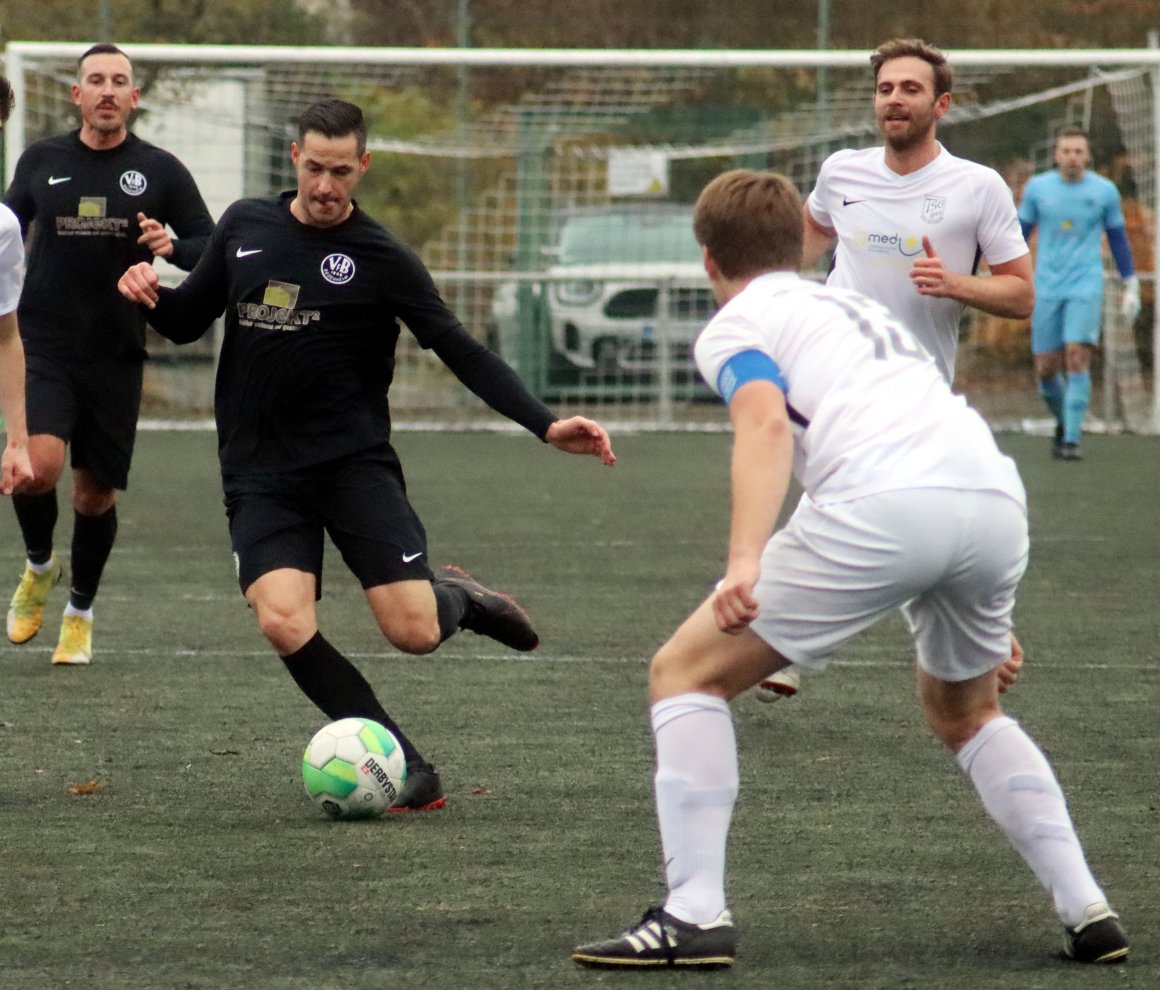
(480, 791)
(88, 787)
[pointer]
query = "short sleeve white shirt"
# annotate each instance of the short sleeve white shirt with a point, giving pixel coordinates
(11, 260)
(870, 411)
(881, 217)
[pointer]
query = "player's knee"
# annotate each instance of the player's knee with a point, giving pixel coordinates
(46, 473)
(285, 629)
(955, 731)
(671, 673)
(39, 485)
(415, 634)
(93, 506)
(92, 501)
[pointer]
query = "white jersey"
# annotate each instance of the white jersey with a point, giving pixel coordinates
(870, 411)
(11, 260)
(965, 208)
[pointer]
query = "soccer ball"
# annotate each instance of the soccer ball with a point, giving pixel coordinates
(354, 768)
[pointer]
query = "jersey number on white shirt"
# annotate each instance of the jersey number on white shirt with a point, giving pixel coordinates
(885, 333)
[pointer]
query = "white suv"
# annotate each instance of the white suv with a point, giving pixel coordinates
(622, 279)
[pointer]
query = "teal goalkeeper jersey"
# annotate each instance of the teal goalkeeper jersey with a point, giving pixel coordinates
(1071, 218)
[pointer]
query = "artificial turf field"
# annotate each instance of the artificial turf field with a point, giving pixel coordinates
(859, 856)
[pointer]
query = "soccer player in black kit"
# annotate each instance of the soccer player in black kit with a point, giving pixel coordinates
(97, 200)
(312, 288)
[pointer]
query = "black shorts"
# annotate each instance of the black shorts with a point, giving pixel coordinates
(277, 520)
(90, 405)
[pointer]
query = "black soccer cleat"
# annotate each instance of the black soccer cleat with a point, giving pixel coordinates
(1099, 938)
(422, 790)
(1067, 452)
(491, 614)
(659, 939)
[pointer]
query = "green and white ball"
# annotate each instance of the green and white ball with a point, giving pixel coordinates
(354, 768)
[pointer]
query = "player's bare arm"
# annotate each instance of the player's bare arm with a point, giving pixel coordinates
(816, 239)
(1008, 291)
(139, 284)
(15, 464)
(760, 473)
(154, 236)
(580, 435)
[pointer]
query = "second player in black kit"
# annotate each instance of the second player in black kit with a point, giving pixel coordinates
(90, 203)
(313, 290)
(86, 205)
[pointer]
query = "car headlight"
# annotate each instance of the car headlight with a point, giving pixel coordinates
(579, 292)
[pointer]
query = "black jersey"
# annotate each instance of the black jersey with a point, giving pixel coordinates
(311, 326)
(85, 204)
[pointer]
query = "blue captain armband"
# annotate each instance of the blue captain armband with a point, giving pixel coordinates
(745, 367)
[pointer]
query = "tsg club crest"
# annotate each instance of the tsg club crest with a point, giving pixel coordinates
(337, 269)
(133, 182)
(934, 208)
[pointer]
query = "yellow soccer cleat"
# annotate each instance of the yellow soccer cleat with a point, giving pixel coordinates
(26, 610)
(76, 641)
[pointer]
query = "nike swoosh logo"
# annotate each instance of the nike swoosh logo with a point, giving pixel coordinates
(54, 180)
(408, 557)
(851, 202)
(245, 254)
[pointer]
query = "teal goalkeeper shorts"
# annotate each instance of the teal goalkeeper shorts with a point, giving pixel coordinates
(1056, 322)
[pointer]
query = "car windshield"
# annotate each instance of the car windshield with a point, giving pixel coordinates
(629, 237)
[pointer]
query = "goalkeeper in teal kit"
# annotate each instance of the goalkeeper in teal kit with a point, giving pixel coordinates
(1072, 208)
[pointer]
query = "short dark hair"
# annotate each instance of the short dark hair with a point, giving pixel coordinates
(1066, 132)
(915, 48)
(750, 222)
(7, 99)
(334, 118)
(103, 48)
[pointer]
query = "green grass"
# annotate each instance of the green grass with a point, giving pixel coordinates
(859, 857)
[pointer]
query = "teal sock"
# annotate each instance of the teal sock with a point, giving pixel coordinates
(1052, 391)
(1075, 404)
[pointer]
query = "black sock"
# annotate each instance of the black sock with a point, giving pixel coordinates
(451, 604)
(92, 543)
(335, 685)
(36, 515)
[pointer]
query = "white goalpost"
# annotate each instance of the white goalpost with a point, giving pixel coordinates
(548, 191)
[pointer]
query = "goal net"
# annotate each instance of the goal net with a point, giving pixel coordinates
(549, 192)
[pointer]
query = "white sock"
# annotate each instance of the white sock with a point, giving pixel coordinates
(696, 786)
(42, 568)
(1020, 792)
(84, 613)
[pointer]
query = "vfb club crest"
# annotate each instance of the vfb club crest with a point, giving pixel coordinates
(934, 208)
(133, 182)
(337, 269)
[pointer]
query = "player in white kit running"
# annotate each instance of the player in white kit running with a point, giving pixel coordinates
(912, 223)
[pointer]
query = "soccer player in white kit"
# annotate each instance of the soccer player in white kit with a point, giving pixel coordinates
(912, 223)
(15, 462)
(908, 504)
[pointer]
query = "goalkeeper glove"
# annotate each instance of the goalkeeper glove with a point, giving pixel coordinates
(1130, 299)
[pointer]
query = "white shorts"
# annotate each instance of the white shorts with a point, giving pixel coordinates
(950, 559)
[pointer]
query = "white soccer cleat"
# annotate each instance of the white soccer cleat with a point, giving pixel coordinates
(783, 684)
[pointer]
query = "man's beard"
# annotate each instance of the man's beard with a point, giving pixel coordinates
(106, 124)
(911, 137)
